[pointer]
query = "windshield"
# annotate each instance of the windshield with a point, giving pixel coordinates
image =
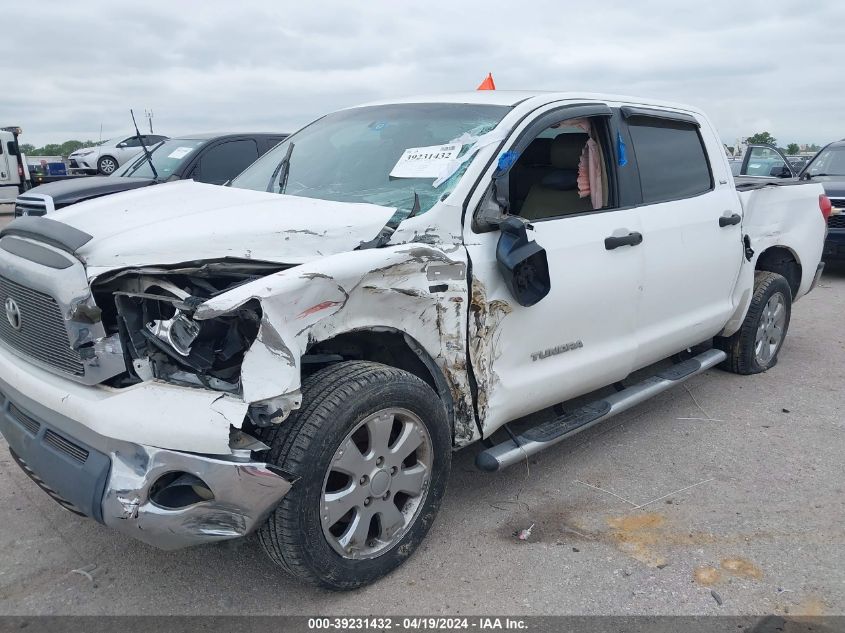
(829, 162)
(380, 155)
(167, 157)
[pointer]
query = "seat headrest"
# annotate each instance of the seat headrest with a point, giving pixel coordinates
(566, 150)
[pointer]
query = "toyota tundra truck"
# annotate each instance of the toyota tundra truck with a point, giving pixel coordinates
(298, 354)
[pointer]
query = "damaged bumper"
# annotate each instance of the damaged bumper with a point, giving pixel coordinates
(60, 433)
(173, 500)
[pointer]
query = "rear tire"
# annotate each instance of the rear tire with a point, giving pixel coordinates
(363, 416)
(755, 346)
(106, 165)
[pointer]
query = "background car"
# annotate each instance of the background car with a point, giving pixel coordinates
(105, 157)
(762, 161)
(828, 168)
(209, 158)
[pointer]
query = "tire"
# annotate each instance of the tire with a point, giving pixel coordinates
(106, 165)
(755, 346)
(316, 447)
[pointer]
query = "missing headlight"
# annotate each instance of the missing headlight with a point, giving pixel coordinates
(165, 342)
(180, 332)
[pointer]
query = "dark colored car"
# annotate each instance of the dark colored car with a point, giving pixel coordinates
(208, 158)
(828, 168)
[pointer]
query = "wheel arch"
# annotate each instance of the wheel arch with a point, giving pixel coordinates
(783, 261)
(388, 346)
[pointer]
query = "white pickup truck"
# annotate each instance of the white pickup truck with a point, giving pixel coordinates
(299, 353)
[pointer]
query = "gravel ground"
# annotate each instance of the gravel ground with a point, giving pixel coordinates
(764, 532)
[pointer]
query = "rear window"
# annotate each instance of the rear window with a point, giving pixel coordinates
(671, 159)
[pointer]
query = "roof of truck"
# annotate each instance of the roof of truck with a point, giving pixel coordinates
(514, 97)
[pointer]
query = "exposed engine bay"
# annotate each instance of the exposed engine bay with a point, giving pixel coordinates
(152, 309)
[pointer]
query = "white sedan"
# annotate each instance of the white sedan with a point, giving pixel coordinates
(108, 155)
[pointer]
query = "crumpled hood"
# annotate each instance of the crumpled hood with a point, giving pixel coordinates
(186, 221)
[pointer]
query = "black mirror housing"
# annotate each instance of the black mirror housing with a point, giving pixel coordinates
(522, 262)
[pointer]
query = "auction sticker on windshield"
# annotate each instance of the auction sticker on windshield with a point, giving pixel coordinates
(180, 152)
(424, 162)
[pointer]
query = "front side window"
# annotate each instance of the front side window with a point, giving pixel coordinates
(132, 141)
(380, 155)
(225, 161)
(562, 171)
(829, 162)
(671, 159)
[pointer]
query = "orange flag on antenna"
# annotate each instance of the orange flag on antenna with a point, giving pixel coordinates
(487, 84)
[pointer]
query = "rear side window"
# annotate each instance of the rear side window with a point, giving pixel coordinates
(225, 161)
(671, 159)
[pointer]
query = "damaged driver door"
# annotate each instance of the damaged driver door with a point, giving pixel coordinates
(539, 337)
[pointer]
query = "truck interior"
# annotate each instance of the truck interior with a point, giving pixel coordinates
(561, 172)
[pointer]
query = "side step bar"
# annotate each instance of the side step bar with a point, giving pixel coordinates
(549, 433)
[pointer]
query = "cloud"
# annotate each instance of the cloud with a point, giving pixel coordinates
(213, 65)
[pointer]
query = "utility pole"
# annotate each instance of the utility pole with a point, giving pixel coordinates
(149, 115)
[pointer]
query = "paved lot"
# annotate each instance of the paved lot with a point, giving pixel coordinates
(764, 532)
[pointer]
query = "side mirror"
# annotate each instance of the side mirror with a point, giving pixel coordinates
(781, 172)
(522, 263)
(121, 144)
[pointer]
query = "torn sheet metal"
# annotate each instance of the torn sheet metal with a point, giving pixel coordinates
(385, 288)
(485, 319)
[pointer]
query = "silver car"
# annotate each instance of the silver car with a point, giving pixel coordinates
(108, 155)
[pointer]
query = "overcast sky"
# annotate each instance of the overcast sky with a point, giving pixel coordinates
(273, 66)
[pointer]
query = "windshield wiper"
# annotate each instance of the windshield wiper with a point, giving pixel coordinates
(416, 208)
(141, 141)
(387, 230)
(284, 169)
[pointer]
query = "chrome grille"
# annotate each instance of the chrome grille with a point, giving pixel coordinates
(42, 334)
(65, 446)
(29, 206)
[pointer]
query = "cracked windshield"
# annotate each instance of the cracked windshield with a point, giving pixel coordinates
(380, 155)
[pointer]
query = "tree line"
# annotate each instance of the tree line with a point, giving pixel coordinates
(765, 138)
(55, 149)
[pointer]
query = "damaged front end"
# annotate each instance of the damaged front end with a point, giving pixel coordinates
(153, 313)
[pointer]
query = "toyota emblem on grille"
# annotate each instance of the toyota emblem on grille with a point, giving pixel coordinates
(13, 313)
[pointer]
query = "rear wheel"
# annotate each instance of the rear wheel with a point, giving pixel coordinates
(754, 347)
(106, 165)
(371, 450)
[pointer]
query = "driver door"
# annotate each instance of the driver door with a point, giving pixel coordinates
(581, 335)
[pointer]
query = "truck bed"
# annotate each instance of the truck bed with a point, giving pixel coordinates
(750, 183)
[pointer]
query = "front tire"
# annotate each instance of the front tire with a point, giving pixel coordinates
(106, 165)
(371, 452)
(754, 347)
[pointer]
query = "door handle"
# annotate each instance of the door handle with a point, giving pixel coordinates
(728, 220)
(632, 239)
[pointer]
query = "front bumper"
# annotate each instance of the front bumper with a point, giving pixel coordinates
(111, 479)
(83, 162)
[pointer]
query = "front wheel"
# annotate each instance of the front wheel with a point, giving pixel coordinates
(106, 165)
(371, 453)
(754, 347)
